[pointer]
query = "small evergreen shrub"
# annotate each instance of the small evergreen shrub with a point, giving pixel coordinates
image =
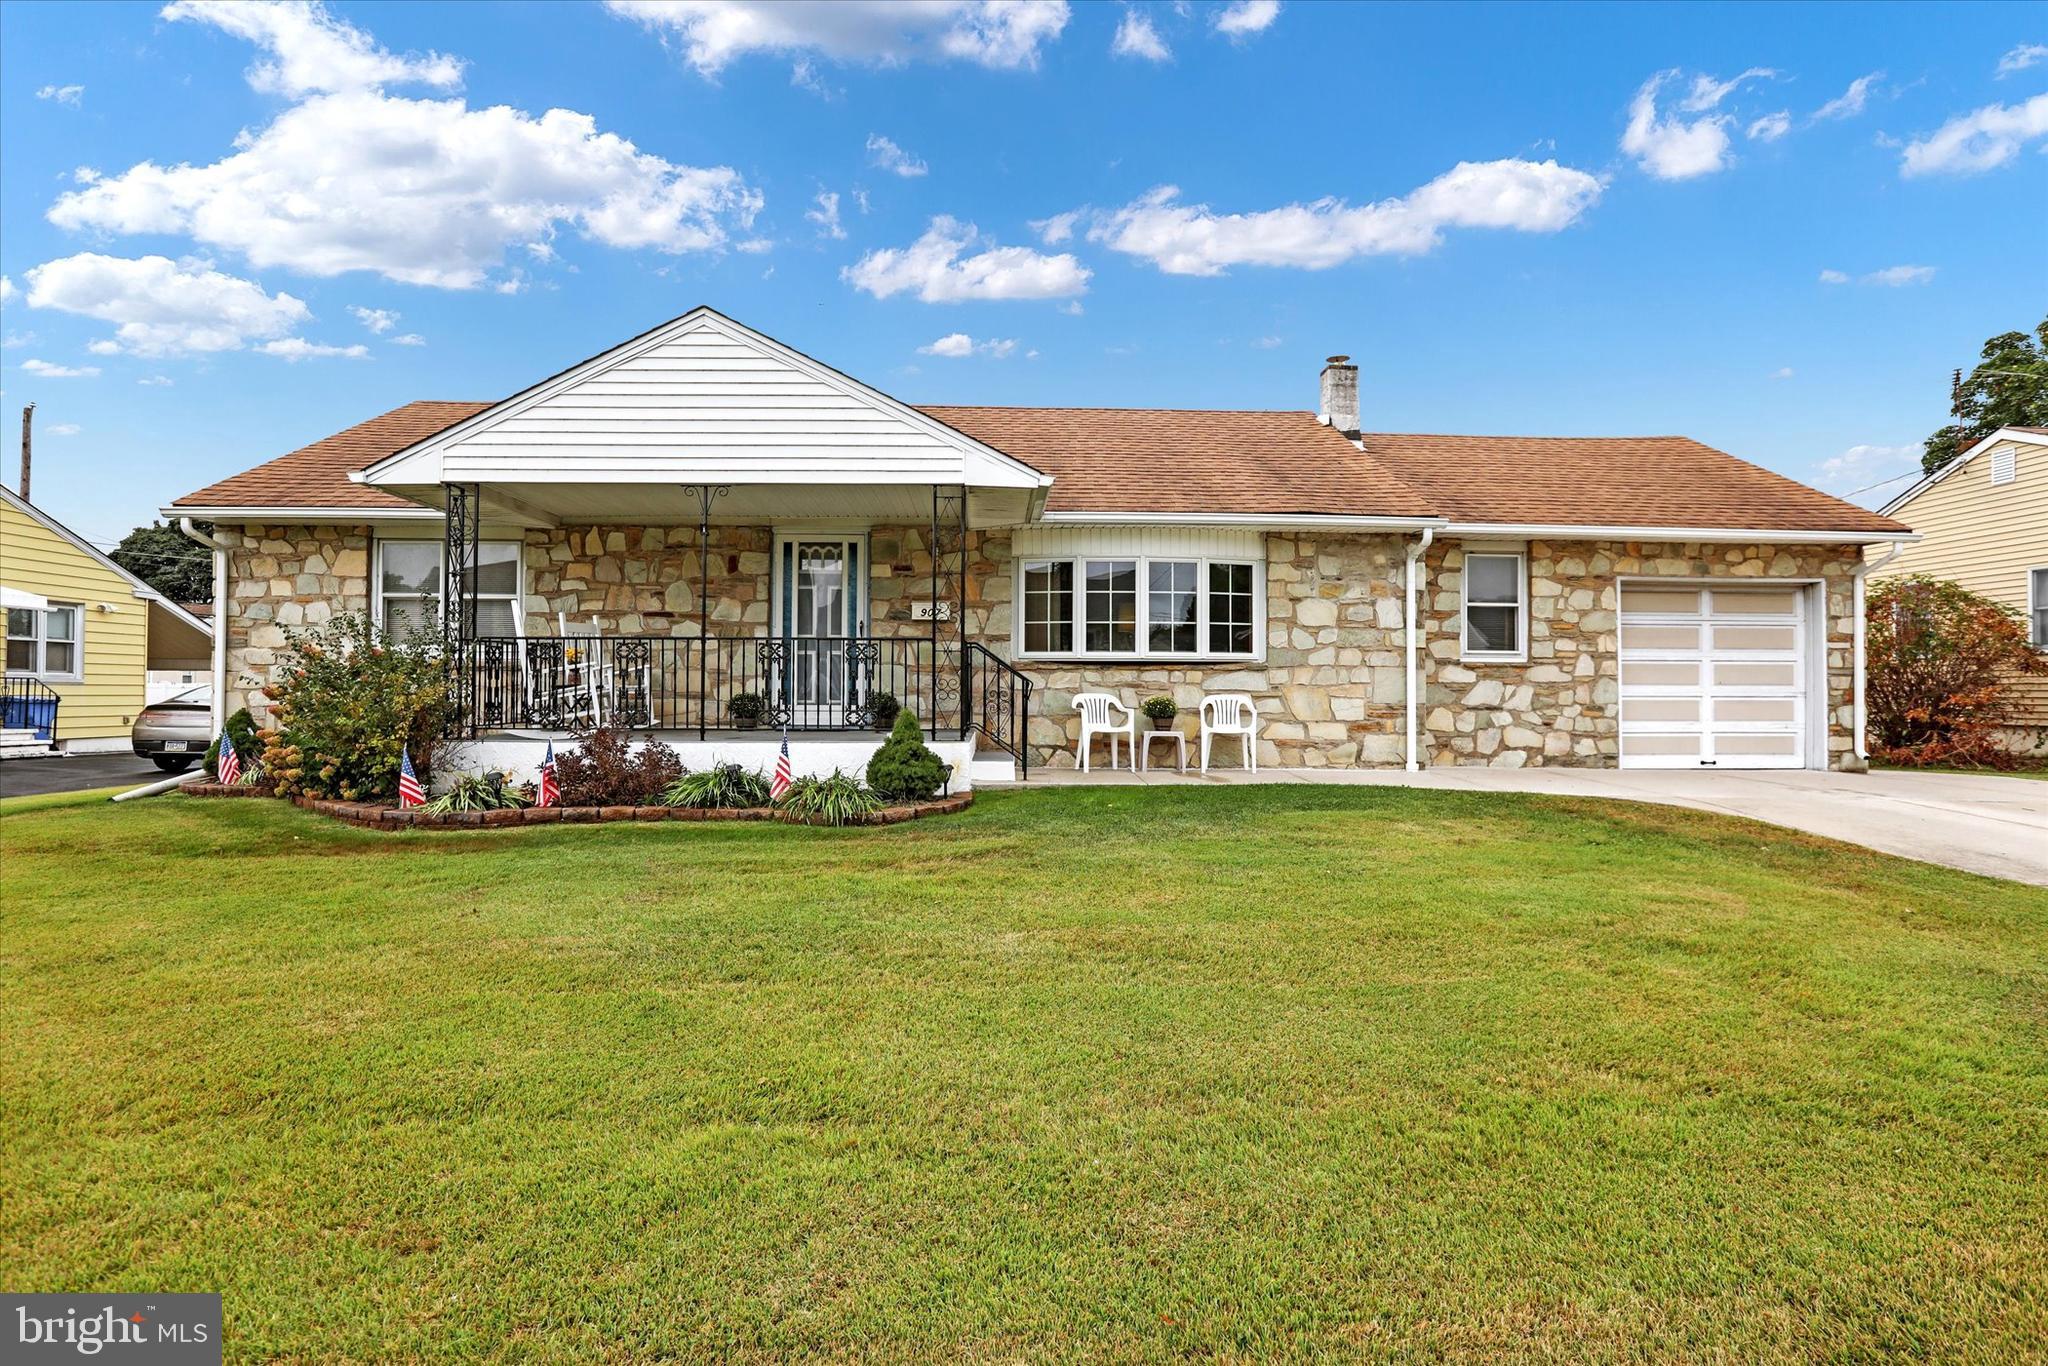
(242, 730)
(904, 769)
(726, 785)
(605, 770)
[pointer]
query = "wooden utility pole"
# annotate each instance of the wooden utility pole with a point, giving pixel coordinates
(28, 415)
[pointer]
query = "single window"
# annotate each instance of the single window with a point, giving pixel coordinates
(44, 641)
(409, 582)
(2037, 606)
(1170, 607)
(1112, 615)
(1493, 604)
(1230, 609)
(1049, 607)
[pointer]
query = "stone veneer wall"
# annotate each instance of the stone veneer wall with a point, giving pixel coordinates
(1563, 706)
(643, 580)
(280, 577)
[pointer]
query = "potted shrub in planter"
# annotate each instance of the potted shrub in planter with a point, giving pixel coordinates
(746, 709)
(1160, 711)
(882, 710)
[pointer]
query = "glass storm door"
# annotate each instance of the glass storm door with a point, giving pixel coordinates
(821, 610)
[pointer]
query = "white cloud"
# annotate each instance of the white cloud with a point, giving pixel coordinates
(1072, 308)
(1833, 277)
(1004, 34)
(64, 429)
(7, 290)
(2021, 58)
(155, 381)
(860, 197)
(1192, 239)
(755, 246)
(13, 340)
(1771, 127)
(1268, 343)
(826, 215)
(1243, 18)
(1136, 37)
(804, 75)
(888, 156)
(62, 94)
(1782, 372)
(1850, 102)
(959, 344)
(1670, 148)
(935, 268)
(45, 370)
(424, 192)
(313, 51)
(162, 307)
(1058, 228)
(1978, 141)
(409, 339)
(1859, 467)
(1707, 93)
(296, 349)
(1891, 277)
(378, 320)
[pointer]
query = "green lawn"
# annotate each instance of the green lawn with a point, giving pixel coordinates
(1114, 1073)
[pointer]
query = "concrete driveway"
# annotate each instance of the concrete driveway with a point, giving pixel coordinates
(74, 773)
(1993, 825)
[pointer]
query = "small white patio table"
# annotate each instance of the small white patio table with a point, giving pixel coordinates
(1180, 746)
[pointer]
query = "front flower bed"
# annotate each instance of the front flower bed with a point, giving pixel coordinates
(375, 816)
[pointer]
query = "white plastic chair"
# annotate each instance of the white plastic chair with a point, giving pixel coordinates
(1231, 713)
(1099, 712)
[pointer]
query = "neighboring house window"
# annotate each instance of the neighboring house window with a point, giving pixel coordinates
(2037, 605)
(1494, 609)
(409, 584)
(1136, 607)
(45, 642)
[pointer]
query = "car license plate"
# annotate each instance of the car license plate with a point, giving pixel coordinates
(174, 746)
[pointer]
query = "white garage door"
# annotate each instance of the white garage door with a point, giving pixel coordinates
(1713, 677)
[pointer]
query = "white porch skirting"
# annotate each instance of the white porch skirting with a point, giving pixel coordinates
(811, 753)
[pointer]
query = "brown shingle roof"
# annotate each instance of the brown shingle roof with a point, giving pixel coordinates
(1190, 460)
(318, 475)
(1253, 464)
(1646, 481)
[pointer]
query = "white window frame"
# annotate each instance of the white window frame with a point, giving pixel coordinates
(1520, 653)
(517, 597)
(42, 640)
(2035, 605)
(1078, 606)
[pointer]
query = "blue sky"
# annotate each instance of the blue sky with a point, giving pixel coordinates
(229, 230)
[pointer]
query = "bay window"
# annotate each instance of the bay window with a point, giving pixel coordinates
(410, 583)
(1138, 607)
(43, 642)
(1494, 606)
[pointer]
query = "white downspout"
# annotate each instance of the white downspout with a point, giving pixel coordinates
(1415, 554)
(1856, 600)
(220, 619)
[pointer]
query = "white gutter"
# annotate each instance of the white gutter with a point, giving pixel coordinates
(218, 721)
(1415, 555)
(1567, 531)
(1241, 519)
(293, 516)
(1862, 670)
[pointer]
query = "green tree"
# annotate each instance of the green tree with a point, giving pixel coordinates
(162, 557)
(2009, 388)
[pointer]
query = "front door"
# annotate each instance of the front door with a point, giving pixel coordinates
(821, 608)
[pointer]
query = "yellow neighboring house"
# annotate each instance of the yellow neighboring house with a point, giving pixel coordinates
(1983, 521)
(82, 635)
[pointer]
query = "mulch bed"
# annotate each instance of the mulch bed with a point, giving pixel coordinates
(377, 816)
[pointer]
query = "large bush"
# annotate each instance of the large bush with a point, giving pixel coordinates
(608, 771)
(349, 703)
(1940, 660)
(904, 769)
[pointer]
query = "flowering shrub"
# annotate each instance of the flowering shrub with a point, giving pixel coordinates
(1939, 658)
(607, 771)
(349, 703)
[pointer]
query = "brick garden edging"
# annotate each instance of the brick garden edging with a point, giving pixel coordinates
(376, 816)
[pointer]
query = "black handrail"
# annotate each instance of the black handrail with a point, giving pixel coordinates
(22, 698)
(996, 702)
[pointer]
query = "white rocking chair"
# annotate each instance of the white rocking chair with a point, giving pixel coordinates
(1227, 714)
(1099, 712)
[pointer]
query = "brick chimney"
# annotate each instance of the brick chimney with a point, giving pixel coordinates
(1340, 396)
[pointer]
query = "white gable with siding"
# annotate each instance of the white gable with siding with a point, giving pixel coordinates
(702, 400)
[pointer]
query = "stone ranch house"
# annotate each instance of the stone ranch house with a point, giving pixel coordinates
(702, 512)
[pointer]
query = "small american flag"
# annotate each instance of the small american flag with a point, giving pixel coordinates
(410, 793)
(227, 765)
(782, 779)
(550, 791)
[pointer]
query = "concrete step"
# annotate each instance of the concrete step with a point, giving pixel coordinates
(23, 744)
(992, 767)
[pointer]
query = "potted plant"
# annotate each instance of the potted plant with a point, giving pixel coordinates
(1160, 711)
(746, 709)
(882, 710)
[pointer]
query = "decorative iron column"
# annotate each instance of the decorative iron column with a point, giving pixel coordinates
(949, 600)
(706, 495)
(461, 528)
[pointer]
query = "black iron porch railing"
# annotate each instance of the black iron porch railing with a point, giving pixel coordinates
(705, 684)
(29, 704)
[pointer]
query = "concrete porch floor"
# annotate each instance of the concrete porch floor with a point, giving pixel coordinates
(1989, 824)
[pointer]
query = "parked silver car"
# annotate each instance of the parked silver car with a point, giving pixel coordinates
(173, 734)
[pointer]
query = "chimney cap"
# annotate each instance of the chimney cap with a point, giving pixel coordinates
(1337, 360)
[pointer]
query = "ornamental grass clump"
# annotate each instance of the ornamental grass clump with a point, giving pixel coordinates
(726, 785)
(480, 792)
(904, 769)
(605, 770)
(836, 799)
(347, 703)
